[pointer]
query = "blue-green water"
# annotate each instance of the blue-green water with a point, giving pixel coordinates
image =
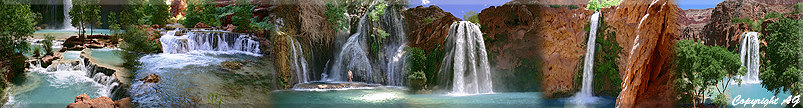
(56, 86)
(754, 91)
(107, 56)
(383, 97)
(94, 31)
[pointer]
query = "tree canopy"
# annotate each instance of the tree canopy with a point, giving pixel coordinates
(781, 61)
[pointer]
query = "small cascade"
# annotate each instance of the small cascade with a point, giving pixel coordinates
(749, 55)
(66, 73)
(67, 24)
(467, 59)
(586, 93)
(209, 41)
(299, 62)
(353, 57)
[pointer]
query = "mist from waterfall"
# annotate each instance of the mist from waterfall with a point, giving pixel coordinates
(749, 55)
(586, 94)
(67, 25)
(467, 60)
(352, 57)
(393, 46)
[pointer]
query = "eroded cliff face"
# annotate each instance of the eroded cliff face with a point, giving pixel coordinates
(693, 21)
(646, 30)
(722, 32)
(427, 35)
(304, 21)
(522, 35)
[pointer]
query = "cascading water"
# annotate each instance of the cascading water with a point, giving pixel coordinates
(67, 25)
(299, 61)
(467, 60)
(586, 93)
(210, 42)
(353, 57)
(749, 55)
(393, 46)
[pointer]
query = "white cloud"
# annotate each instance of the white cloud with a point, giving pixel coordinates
(423, 2)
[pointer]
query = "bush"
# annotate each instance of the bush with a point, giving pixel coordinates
(570, 6)
(136, 40)
(754, 25)
(159, 12)
(203, 11)
(241, 12)
(48, 44)
(781, 60)
(596, 5)
(606, 68)
(471, 16)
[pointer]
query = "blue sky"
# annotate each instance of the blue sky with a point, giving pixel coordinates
(697, 4)
(458, 8)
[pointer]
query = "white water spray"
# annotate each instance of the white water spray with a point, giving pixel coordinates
(749, 55)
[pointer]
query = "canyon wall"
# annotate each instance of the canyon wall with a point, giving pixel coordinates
(647, 31)
(526, 39)
(722, 32)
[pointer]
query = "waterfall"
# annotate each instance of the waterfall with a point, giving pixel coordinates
(299, 62)
(67, 25)
(394, 45)
(216, 42)
(586, 93)
(749, 56)
(467, 60)
(353, 57)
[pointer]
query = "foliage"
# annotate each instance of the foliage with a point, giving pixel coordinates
(48, 44)
(37, 50)
(416, 59)
(336, 15)
(472, 17)
(607, 80)
(754, 25)
(17, 24)
(721, 100)
(781, 60)
(570, 6)
(264, 24)
(417, 75)
(85, 13)
(596, 4)
(700, 67)
(136, 40)
(241, 12)
(133, 14)
(159, 12)
(203, 11)
(378, 10)
(114, 27)
(429, 20)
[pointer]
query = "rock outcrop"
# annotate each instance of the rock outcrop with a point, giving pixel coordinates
(647, 31)
(83, 101)
(722, 32)
(553, 37)
(427, 35)
(152, 78)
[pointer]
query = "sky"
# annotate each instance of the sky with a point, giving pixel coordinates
(458, 8)
(697, 4)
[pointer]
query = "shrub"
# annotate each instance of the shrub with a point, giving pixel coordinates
(159, 12)
(700, 67)
(606, 68)
(596, 5)
(241, 12)
(48, 44)
(472, 17)
(136, 40)
(335, 15)
(203, 11)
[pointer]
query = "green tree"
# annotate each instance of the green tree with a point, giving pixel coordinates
(159, 12)
(472, 16)
(241, 12)
(336, 15)
(596, 4)
(84, 14)
(17, 24)
(700, 68)
(781, 60)
(203, 11)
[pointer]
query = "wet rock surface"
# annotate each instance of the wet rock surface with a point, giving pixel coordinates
(84, 101)
(151, 78)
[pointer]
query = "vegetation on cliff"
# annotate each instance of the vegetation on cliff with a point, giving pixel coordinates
(700, 68)
(596, 4)
(607, 81)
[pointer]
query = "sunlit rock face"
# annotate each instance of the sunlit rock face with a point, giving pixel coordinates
(553, 37)
(427, 35)
(721, 31)
(646, 30)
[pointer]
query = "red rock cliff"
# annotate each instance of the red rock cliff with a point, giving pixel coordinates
(722, 32)
(646, 30)
(554, 36)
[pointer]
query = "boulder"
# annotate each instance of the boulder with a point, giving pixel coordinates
(231, 65)
(83, 101)
(152, 78)
(201, 25)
